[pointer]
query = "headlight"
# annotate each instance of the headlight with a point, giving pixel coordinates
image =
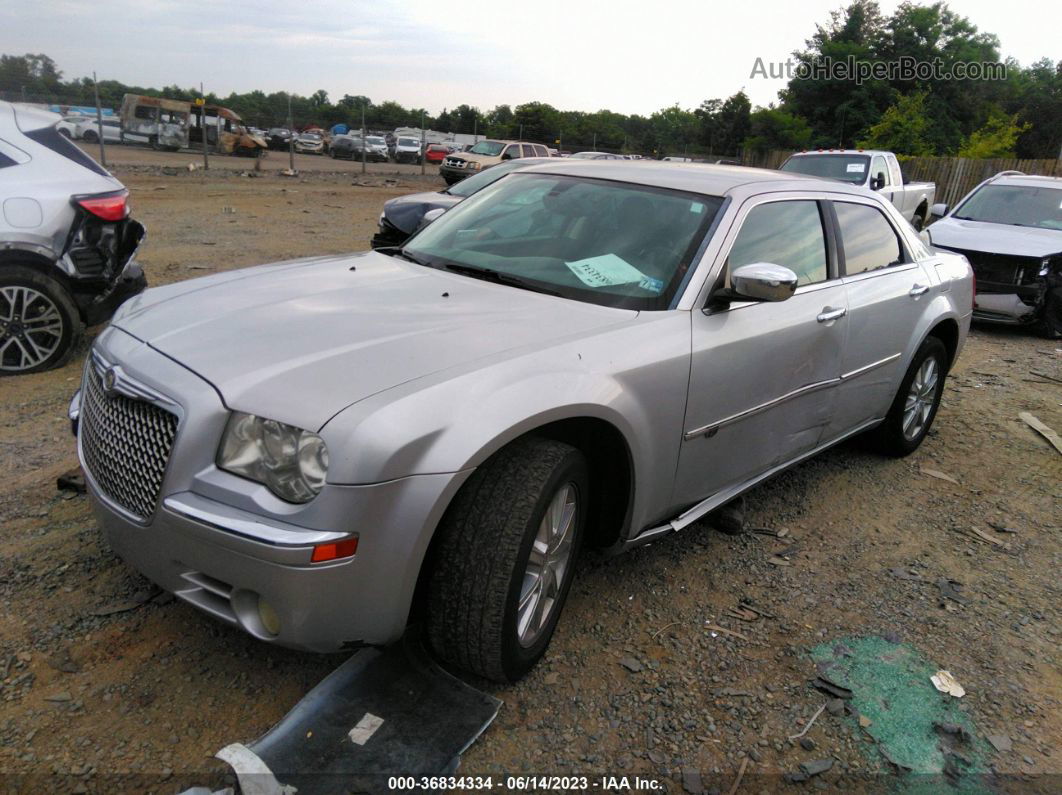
(472, 165)
(290, 462)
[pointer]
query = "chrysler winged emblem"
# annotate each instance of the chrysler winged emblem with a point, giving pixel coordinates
(110, 380)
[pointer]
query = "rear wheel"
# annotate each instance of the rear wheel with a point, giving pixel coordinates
(915, 406)
(90, 136)
(506, 559)
(39, 323)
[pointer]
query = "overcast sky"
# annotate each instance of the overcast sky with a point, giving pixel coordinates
(630, 57)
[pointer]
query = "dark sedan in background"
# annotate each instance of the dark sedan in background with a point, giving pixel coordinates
(349, 147)
(402, 216)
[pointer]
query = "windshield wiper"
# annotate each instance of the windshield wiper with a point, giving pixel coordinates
(496, 276)
(398, 251)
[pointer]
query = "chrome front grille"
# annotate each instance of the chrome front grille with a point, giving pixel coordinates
(126, 445)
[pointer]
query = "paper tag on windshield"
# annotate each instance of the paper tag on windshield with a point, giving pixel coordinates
(857, 168)
(605, 271)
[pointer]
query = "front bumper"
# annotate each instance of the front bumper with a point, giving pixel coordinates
(225, 545)
(452, 174)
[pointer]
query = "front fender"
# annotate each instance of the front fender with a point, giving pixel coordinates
(635, 378)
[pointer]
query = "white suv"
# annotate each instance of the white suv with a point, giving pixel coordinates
(66, 242)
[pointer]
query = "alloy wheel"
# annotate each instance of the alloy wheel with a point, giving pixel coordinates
(31, 328)
(920, 399)
(547, 564)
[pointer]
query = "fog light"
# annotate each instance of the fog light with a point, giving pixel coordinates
(268, 616)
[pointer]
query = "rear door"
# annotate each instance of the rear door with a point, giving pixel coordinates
(887, 293)
(763, 375)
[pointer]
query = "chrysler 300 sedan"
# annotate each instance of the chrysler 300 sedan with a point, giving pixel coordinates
(596, 352)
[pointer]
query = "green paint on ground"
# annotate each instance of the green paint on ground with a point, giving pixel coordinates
(891, 687)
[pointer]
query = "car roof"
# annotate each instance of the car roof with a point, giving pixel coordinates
(868, 152)
(1027, 181)
(708, 179)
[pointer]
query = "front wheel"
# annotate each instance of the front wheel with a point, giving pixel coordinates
(90, 136)
(506, 558)
(916, 402)
(39, 323)
(1050, 324)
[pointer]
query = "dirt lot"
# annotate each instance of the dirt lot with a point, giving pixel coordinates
(100, 676)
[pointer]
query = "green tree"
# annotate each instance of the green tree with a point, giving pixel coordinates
(997, 138)
(902, 128)
(774, 128)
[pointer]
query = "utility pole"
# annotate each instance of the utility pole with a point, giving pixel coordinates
(202, 126)
(291, 138)
(475, 129)
(99, 118)
(363, 138)
(594, 147)
(521, 132)
(422, 134)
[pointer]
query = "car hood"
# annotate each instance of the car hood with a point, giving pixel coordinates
(405, 212)
(300, 341)
(1018, 241)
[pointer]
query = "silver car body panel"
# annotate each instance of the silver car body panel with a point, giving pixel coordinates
(414, 377)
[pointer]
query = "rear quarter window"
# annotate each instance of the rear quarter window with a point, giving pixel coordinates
(51, 138)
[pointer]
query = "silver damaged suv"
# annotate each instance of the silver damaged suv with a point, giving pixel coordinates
(66, 242)
(595, 352)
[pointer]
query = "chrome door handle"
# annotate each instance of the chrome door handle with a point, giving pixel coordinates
(918, 289)
(832, 314)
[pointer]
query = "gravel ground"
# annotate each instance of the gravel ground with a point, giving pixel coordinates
(114, 686)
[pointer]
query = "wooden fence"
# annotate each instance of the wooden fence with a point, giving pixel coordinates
(954, 176)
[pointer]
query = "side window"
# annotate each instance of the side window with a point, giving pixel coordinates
(868, 238)
(512, 151)
(877, 166)
(541, 151)
(529, 151)
(895, 174)
(788, 233)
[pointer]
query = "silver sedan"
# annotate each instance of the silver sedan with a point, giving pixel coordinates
(596, 352)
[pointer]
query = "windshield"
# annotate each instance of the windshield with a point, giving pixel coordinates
(847, 168)
(590, 240)
(1018, 205)
(408, 142)
(489, 148)
(374, 140)
(470, 185)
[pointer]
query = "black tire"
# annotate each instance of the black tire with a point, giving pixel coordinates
(889, 437)
(919, 221)
(1050, 324)
(11, 357)
(482, 555)
(64, 132)
(90, 137)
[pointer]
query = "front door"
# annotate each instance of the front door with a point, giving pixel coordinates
(763, 375)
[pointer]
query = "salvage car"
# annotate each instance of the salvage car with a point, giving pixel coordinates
(407, 150)
(1010, 229)
(310, 143)
(485, 154)
(583, 353)
(67, 243)
(874, 170)
(350, 146)
(404, 215)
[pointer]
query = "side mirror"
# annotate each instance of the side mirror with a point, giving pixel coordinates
(762, 281)
(430, 216)
(878, 182)
(938, 210)
(507, 156)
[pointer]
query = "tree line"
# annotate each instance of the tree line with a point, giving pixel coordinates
(1017, 116)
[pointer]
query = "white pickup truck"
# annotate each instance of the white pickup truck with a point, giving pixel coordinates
(879, 171)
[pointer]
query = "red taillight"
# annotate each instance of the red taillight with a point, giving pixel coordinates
(107, 206)
(341, 549)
